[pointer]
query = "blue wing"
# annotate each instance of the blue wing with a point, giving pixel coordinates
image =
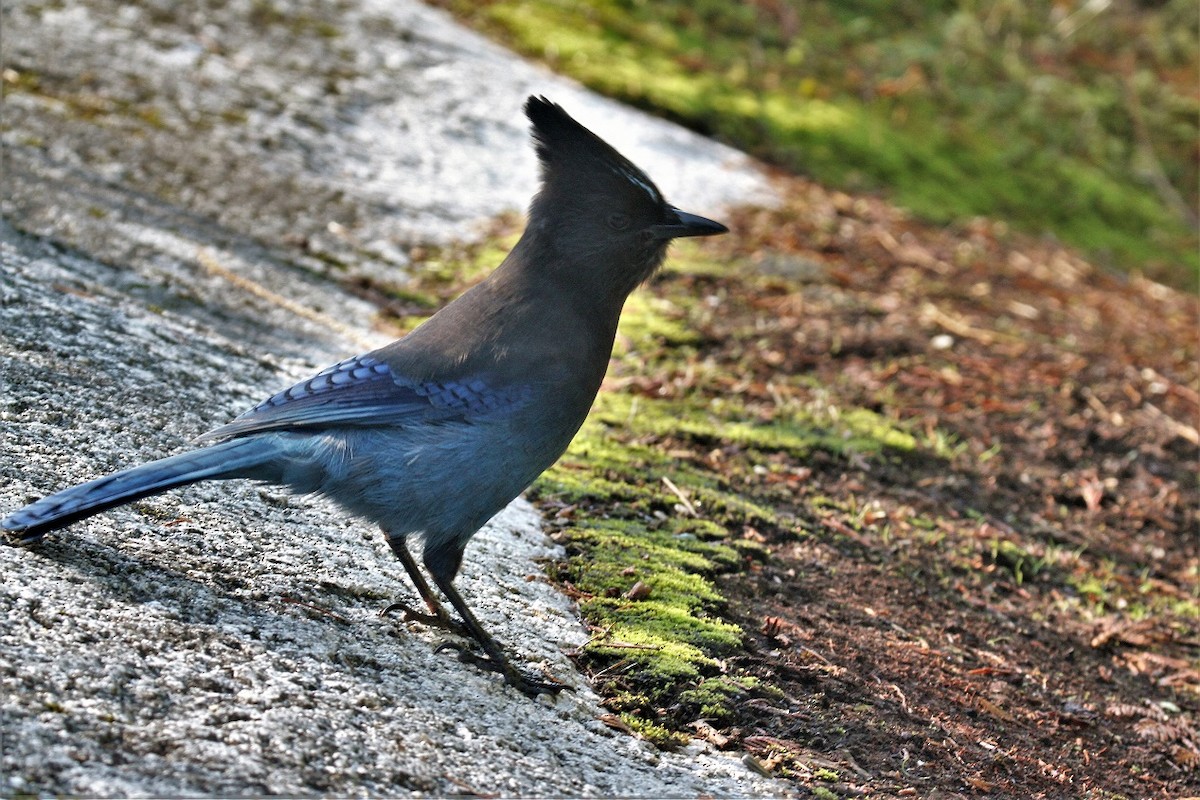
(363, 391)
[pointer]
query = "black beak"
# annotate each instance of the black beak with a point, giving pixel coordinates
(688, 225)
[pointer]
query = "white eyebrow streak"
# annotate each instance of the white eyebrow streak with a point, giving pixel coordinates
(635, 177)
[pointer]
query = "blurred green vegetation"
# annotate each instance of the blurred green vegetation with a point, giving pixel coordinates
(1074, 118)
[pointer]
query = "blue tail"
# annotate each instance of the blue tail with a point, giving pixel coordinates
(235, 458)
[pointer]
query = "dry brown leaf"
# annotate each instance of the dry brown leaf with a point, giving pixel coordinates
(1157, 731)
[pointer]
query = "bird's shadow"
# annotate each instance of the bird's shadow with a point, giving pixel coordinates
(135, 580)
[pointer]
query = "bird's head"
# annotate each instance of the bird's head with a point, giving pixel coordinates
(595, 209)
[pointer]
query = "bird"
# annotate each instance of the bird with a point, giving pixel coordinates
(430, 436)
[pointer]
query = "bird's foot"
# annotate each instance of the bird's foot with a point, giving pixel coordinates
(518, 679)
(436, 620)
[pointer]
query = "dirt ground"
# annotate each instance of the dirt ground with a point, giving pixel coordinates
(1017, 617)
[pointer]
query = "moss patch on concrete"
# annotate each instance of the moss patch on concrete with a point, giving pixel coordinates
(661, 493)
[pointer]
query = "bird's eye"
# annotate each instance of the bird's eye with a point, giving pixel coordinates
(618, 222)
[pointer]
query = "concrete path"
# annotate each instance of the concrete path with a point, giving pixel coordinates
(180, 186)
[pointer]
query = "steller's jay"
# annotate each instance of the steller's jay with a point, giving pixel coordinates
(437, 431)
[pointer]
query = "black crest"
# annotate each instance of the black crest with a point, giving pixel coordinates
(566, 148)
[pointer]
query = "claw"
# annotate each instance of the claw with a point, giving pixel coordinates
(469, 628)
(433, 620)
(519, 680)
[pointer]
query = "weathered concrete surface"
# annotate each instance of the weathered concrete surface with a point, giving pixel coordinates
(343, 130)
(181, 182)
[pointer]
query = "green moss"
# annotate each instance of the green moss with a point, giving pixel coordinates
(652, 321)
(625, 474)
(662, 629)
(955, 111)
(715, 698)
(654, 733)
(728, 420)
(687, 258)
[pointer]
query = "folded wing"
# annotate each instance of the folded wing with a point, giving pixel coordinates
(365, 391)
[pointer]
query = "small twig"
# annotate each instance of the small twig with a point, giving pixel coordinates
(317, 609)
(1177, 427)
(903, 699)
(468, 788)
(837, 526)
(858, 770)
(629, 646)
(621, 665)
(688, 508)
(806, 649)
(210, 263)
(603, 632)
(961, 328)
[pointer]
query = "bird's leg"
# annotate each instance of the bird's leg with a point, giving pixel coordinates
(438, 617)
(495, 660)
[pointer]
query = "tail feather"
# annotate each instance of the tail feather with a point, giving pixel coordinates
(231, 459)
